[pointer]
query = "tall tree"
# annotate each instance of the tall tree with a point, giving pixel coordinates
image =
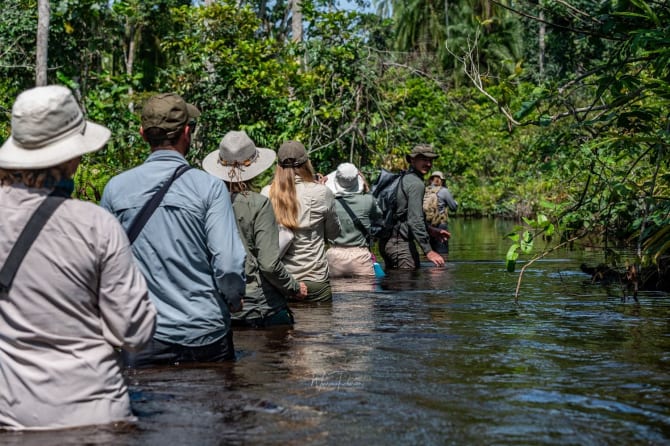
(296, 20)
(42, 50)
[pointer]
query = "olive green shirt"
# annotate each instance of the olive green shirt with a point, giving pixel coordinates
(268, 282)
(410, 200)
(364, 206)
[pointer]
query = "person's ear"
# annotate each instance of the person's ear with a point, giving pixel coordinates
(142, 133)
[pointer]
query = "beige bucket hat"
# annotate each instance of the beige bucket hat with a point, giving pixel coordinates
(238, 159)
(48, 128)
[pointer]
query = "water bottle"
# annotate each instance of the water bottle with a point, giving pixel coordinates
(379, 272)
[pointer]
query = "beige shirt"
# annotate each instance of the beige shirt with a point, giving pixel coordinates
(305, 258)
(76, 298)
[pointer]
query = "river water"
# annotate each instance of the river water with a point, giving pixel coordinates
(437, 357)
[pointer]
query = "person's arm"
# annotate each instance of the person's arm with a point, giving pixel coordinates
(331, 221)
(225, 246)
(416, 220)
(266, 236)
(128, 317)
(445, 196)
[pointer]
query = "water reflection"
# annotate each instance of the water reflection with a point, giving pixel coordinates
(438, 356)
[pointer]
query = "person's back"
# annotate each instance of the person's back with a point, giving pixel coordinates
(237, 162)
(189, 249)
(312, 219)
(268, 281)
(76, 297)
(437, 202)
(349, 253)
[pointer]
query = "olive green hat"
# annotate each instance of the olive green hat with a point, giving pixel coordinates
(169, 112)
(292, 154)
(423, 150)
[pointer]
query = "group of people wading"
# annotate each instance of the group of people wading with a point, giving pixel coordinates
(173, 258)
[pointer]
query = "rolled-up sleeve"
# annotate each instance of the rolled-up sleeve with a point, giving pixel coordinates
(225, 245)
(127, 313)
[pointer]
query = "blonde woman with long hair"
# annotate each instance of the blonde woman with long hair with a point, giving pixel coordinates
(307, 208)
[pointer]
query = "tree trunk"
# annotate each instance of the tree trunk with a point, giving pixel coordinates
(42, 50)
(296, 21)
(541, 48)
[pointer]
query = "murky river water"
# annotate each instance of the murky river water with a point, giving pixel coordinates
(442, 356)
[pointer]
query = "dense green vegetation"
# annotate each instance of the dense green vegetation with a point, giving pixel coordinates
(544, 107)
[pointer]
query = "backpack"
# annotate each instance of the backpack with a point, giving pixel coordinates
(385, 190)
(431, 207)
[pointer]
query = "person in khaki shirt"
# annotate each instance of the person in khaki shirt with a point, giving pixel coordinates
(237, 162)
(308, 209)
(77, 296)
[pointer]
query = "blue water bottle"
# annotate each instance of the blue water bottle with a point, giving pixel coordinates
(379, 272)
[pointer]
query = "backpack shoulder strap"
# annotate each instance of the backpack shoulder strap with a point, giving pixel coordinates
(357, 221)
(150, 206)
(26, 239)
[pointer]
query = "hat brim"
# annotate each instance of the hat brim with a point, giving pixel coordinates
(14, 156)
(429, 156)
(235, 174)
(333, 185)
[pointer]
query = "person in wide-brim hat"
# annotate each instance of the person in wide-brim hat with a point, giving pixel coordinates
(345, 180)
(74, 281)
(269, 284)
(238, 159)
(49, 128)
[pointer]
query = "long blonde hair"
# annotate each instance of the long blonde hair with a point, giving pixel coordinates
(283, 194)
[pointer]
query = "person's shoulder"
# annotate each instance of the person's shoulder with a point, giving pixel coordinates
(318, 190)
(87, 213)
(253, 198)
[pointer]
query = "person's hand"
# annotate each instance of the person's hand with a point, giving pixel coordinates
(302, 291)
(441, 234)
(444, 235)
(436, 258)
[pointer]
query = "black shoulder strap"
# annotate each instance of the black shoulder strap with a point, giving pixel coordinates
(26, 239)
(357, 221)
(403, 213)
(150, 206)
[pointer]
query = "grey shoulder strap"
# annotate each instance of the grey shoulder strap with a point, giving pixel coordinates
(26, 239)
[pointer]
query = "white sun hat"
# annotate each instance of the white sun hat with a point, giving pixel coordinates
(238, 159)
(48, 128)
(345, 180)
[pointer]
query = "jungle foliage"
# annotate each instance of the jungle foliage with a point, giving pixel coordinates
(537, 107)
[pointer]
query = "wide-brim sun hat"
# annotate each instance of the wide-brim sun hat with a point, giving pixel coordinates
(48, 129)
(345, 180)
(238, 159)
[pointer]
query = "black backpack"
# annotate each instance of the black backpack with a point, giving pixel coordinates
(385, 190)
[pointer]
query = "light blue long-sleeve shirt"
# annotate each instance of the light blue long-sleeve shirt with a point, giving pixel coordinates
(189, 251)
